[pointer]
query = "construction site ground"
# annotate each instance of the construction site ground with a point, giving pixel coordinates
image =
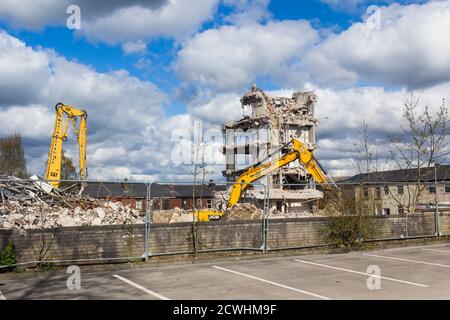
(416, 272)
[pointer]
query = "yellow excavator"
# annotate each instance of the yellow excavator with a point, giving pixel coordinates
(64, 115)
(298, 151)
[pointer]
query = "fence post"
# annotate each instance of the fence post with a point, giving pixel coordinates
(436, 204)
(147, 222)
(437, 222)
(406, 226)
(265, 218)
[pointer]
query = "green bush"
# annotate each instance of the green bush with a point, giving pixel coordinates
(8, 257)
(347, 231)
(47, 266)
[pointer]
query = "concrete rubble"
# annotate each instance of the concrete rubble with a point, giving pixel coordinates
(26, 204)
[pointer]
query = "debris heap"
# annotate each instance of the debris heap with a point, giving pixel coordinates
(26, 204)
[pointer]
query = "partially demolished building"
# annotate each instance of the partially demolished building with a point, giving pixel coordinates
(264, 132)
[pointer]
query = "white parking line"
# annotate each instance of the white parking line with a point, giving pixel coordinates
(157, 295)
(363, 273)
(272, 283)
(437, 250)
(408, 260)
(415, 247)
(2, 297)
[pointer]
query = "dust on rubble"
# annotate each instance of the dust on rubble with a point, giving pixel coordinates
(25, 204)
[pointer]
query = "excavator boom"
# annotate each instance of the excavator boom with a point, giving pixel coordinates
(64, 114)
(298, 152)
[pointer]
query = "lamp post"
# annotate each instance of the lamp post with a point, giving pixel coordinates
(436, 203)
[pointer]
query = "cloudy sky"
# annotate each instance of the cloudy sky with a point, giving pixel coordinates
(144, 70)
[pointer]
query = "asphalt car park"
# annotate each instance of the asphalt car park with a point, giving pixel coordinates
(421, 272)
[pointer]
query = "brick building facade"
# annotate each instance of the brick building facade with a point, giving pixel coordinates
(162, 196)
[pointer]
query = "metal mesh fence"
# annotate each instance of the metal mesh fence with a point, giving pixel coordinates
(101, 221)
(174, 226)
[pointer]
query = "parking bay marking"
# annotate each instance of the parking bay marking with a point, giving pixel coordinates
(272, 283)
(157, 295)
(437, 250)
(408, 260)
(362, 273)
(2, 297)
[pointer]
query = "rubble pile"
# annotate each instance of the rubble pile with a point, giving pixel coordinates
(171, 216)
(243, 211)
(28, 204)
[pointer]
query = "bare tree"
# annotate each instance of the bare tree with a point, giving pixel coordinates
(367, 163)
(12, 156)
(423, 143)
(68, 170)
(368, 160)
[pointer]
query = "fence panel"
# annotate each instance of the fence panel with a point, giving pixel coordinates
(172, 229)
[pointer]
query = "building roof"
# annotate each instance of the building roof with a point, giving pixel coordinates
(405, 175)
(157, 190)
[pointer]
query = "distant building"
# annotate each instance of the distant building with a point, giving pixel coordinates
(401, 191)
(162, 197)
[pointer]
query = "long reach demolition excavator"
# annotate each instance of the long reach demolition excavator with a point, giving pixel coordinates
(297, 151)
(64, 114)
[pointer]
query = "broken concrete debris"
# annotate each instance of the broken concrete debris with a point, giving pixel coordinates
(30, 204)
(26, 204)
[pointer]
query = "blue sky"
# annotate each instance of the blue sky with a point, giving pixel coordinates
(162, 51)
(147, 68)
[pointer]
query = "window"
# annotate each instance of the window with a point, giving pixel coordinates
(386, 190)
(166, 204)
(447, 188)
(139, 204)
(279, 205)
(401, 210)
(365, 192)
(209, 203)
(378, 190)
(386, 211)
(431, 188)
(400, 189)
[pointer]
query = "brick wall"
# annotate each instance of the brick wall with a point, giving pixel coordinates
(92, 242)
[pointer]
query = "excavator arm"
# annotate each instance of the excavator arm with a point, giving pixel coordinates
(64, 114)
(298, 152)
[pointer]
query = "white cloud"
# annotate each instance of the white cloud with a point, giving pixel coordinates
(125, 114)
(33, 14)
(342, 113)
(23, 71)
(410, 49)
(138, 46)
(217, 109)
(177, 18)
(115, 21)
(31, 121)
(234, 56)
(247, 11)
(352, 6)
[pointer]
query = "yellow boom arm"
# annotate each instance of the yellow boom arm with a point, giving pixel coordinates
(299, 151)
(53, 170)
